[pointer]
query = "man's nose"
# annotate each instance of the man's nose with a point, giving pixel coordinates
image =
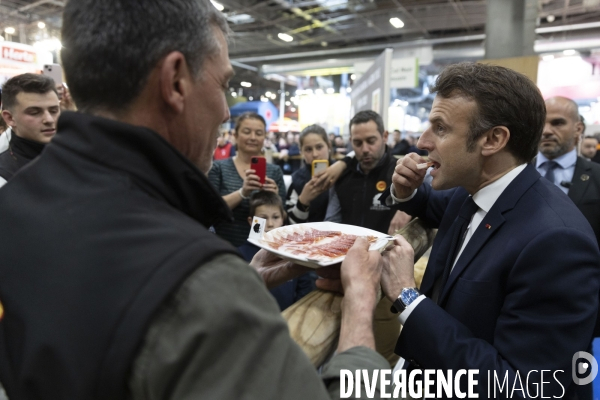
(48, 118)
(547, 129)
(227, 116)
(424, 141)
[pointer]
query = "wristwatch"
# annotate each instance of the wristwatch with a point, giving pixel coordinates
(407, 296)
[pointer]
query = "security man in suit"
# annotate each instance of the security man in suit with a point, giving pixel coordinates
(579, 178)
(557, 159)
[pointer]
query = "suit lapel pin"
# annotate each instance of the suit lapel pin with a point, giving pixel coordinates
(585, 177)
(488, 226)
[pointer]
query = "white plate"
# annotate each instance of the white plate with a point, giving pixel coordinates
(380, 244)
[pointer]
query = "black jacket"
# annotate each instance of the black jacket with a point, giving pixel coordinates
(19, 153)
(318, 207)
(360, 194)
(95, 235)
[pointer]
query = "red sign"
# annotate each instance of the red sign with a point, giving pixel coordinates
(268, 115)
(10, 53)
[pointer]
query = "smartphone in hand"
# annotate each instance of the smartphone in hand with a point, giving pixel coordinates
(259, 164)
(319, 166)
(54, 71)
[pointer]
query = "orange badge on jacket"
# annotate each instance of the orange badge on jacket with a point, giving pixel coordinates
(1, 311)
(381, 185)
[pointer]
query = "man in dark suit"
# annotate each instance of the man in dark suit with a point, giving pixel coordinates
(574, 175)
(511, 287)
(579, 178)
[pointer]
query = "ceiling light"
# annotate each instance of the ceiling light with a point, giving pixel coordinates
(285, 37)
(324, 44)
(233, 94)
(10, 30)
(330, 90)
(548, 57)
(287, 103)
(41, 25)
(273, 96)
(250, 98)
(353, 76)
(246, 84)
(268, 94)
(569, 52)
(48, 44)
(396, 22)
(218, 6)
(348, 90)
(550, 18)
(293, 109)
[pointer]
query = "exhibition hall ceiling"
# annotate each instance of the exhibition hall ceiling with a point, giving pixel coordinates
(330, 25)
(324, 25)
(326, 29)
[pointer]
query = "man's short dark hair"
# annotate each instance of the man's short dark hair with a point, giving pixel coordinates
(111, 46)
(503, 98)
(265, 198)
(27, 83)
(362, 117)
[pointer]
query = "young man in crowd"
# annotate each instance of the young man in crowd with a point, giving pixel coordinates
(589, 147)
(30, 107)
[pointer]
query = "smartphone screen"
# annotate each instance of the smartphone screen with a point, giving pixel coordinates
(319, 166)
(259, 164)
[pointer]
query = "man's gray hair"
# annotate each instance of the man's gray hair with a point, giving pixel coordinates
(111, 46)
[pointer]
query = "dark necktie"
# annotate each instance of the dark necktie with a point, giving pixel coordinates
(459, 231)
(550, 171)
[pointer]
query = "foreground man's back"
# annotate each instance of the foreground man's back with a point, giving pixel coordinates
(112, 286)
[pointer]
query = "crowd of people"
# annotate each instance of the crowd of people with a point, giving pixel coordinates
(125, 255)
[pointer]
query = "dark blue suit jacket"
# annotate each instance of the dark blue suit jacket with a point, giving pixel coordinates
(522, 296)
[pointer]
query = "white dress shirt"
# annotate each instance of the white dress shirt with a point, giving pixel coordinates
(563, 173)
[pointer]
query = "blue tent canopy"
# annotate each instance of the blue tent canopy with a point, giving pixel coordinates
(266, 109)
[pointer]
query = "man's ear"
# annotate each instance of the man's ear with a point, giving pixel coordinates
(175, 80)
(578, 132)
(8, 118)
(385, 136)
(494, 140)
(250, 220)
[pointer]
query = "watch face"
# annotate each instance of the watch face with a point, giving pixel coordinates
(408, 296)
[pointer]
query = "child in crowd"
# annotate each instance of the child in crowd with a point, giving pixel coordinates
(268, 205)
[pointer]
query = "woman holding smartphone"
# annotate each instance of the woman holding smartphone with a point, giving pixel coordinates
(308, 196)
(236, 179)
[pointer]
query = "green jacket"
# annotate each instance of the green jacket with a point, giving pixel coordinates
(221, 336)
